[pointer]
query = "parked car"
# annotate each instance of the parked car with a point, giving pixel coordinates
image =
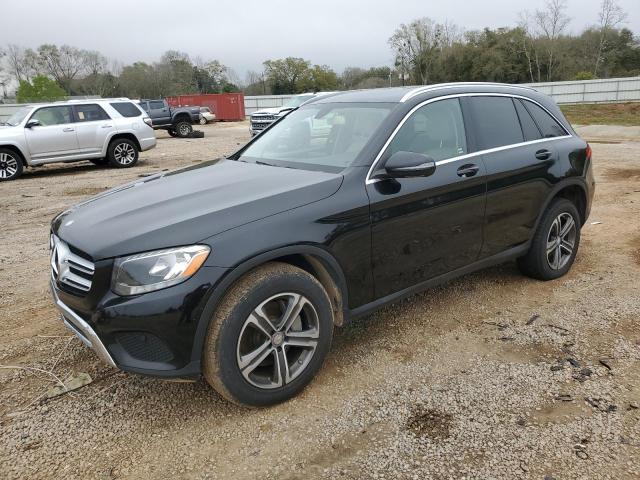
(106, 131)
(206, 115)
(263, 118)
(239, 268)
(176, 121)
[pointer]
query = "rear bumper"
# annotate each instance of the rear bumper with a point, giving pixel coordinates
(147, 143)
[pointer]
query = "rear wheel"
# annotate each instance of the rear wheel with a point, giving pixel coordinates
(269, 336)
(122, 153)
(555, 243)
(10, 165)
(203, 121)
(183, 129)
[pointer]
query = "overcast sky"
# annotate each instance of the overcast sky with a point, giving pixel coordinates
(242, 34)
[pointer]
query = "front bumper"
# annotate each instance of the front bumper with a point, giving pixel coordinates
(151, 334)
(81, 329)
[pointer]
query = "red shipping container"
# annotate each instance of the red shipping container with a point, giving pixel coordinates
(226, 106)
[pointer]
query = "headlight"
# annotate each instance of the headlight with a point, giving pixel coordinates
(146, 272)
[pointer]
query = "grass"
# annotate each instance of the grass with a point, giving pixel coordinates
(603, 113)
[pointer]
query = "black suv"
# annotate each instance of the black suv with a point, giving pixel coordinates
(239, 268)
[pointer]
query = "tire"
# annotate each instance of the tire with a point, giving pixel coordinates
(100, 161)
(173, 133)
(203, 121)
(234, 335)
(551, 255)
(11, 166)
(183, 129)
(122, 153)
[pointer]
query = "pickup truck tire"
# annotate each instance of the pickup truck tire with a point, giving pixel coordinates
(173, 133)
(122, 153)
(286, 308)
(183, 129)
(10, 165)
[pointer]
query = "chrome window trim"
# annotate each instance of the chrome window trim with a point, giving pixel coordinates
(370, 180)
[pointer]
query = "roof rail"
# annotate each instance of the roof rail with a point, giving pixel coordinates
(438, 86)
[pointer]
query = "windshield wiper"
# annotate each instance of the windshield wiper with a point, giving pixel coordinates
(259, 162)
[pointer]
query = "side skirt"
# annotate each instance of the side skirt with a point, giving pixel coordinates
(502, 257)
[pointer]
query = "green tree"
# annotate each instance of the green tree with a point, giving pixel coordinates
(40, 89)
(285, 75)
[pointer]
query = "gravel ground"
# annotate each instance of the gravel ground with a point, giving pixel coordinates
(491, 376)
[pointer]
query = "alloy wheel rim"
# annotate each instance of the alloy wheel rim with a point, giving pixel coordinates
(278, 340)
(184, 129)
(124, 153)
(561, 241)
(8, 165)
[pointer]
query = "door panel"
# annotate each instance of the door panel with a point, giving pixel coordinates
(159, 112)
(55, 137)
(93, 127)
(424, 227)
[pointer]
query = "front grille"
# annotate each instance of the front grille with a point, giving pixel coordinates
(69, 270)
(259, 126)
(262, 118)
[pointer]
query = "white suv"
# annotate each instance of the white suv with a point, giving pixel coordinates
(104, 131)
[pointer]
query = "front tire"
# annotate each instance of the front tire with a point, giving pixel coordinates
(10, 165)
(183, 129)
(269, 336)
(555, 243)
(122, 153)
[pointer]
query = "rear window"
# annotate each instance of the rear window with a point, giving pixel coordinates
(90, 113)
(496, 122)
(546, 123)
(127, 109)
(529, 127)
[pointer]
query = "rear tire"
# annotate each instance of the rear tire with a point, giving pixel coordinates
(10, 165)
(122, 153)
(183, 129)
(203, 121)
(257, 355)
(555, 243)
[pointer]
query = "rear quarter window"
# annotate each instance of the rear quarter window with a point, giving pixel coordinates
(126, 109)
(546, 123)
(496, 122)
(529, 127)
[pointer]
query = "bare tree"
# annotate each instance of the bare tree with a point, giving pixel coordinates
(418, 44)
(20, 62)
(551, 23)
(610, 16)
(63, 64)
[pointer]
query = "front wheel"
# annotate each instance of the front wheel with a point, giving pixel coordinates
(269, 336)
(555, 243)
(10, 165)
(122, 153)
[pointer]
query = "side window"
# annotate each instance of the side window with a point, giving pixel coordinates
(144, 106)
(547, 124)
(90, 113)
(156, 105)
(436, 129)
(53, 116)
(529, 127)
(126, 109)
(496, 122)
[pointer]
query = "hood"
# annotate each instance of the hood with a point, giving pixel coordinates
(268, 111)
(187, 206)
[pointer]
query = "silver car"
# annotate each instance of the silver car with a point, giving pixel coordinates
(104, 131)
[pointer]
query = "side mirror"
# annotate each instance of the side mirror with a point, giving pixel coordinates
(33, 123)
(409, 164)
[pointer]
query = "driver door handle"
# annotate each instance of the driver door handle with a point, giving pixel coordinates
(468, 170)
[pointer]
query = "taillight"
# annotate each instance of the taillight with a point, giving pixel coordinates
(148, 121)
(588, 152)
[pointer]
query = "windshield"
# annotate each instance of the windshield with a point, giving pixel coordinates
(18, 116)
(296, 101)
(319, 136)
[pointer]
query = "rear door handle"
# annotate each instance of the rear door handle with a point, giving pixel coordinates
(468, 170)
(68, 130)
(107, 126)
(543, 154)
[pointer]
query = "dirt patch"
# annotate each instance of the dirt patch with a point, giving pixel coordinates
(85, 191)
(623, 174)
(428, 422)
